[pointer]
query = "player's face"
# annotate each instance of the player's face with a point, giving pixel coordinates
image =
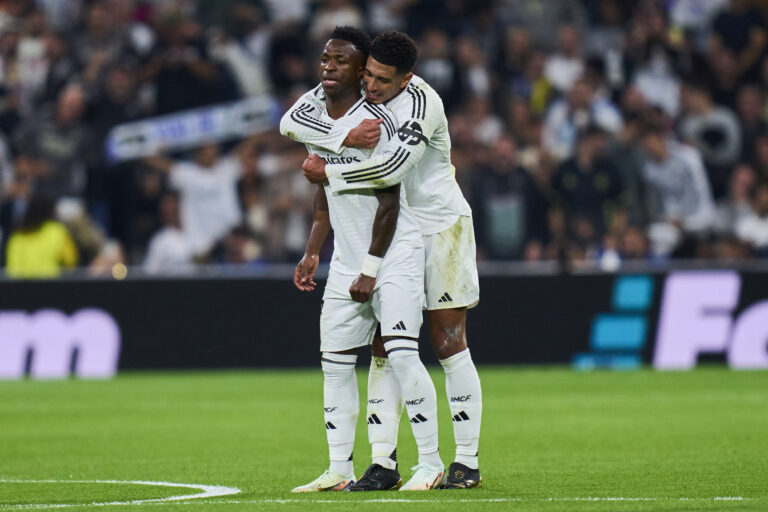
(341, 66)
(382, 82)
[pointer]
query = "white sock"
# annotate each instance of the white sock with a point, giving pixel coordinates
(341, 405)
(465, 398)
(419, 395)
(384, 408)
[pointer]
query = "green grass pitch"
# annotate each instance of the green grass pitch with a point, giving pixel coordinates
(552, 440)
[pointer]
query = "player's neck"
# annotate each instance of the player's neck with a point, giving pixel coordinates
(339, 104)
(401, 90)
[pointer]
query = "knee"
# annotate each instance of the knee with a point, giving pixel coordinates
(448, 340)
(377, 347)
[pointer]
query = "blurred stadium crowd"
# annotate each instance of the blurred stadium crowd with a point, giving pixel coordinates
(583, 130)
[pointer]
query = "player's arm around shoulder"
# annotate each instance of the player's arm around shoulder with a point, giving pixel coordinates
(396, 156)
(303, 123)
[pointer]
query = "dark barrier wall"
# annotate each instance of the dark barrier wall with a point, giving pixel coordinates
(588, 320)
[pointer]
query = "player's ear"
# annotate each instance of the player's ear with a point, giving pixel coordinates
(406, 79)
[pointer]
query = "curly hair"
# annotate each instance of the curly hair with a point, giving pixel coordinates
(395, 49)
(360, 39)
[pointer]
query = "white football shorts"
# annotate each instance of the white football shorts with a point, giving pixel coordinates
(451, 267)
(396, 303)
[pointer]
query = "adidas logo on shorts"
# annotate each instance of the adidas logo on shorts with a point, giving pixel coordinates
(445, 298)
(400, 326)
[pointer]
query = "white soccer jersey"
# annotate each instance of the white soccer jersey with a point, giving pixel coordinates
(352, 212)
(419, 156)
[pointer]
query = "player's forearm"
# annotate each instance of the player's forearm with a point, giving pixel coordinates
(380, 172)
(317, 236)
(321, 225)
(385, 221)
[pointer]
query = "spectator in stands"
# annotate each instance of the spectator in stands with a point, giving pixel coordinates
(634, 244)
(486, 126)
(568, 116)
(714, 130)
(290, 200)
(695, 17)
(31, 59)
(750, 105)
(169, 250)
(239, 247)
(657, 59)
(567, 64)
(332, 13)
(61, 67)
(229, 15)
(110, 260)
(103, 41)
(17, 189)
(724, 77)
(115, 103)
(252, 195)
(487, 60)
(741, 29)
(753, 228)
(508, 209)
(520, 122)
(59, 146)
(183, 73)
(472, 65)
(40, 247)
(436, 67)
(588, 186)
(386, 15)
(607, 33)
(737, 204)
(10, 83)
(627, 155)
(7, 172)
(247, 67)
(760, 161)
(287, 66)
(207, 188)
(515, 53)
(542, 18)
(532, 85)
(679, 198)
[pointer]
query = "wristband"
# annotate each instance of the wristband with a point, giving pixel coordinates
(371, 265)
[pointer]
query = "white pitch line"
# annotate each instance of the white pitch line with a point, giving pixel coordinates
(208, 491)
(288, 501)
(215, 491)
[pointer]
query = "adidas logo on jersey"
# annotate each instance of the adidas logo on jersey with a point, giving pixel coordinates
(445, 298)
(400, 326)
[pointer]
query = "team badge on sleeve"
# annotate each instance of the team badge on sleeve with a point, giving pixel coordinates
(411, 133)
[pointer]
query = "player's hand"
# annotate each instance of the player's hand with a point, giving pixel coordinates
(362, 288)
(305, 271)
(365, 135)
(314, 169)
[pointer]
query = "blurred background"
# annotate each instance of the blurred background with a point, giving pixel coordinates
(138, 139)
